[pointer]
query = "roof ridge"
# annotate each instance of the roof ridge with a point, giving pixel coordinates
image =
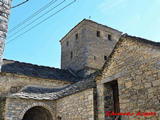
(32, 70)
(87, 20)
(101, 24)
(15, 61)
(140, 39)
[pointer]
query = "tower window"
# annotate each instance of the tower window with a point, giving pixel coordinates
(94, 57)
(71, 55)
(76, 36)
(109, 37)
(98, 33)
(67, 43)
(105, 57)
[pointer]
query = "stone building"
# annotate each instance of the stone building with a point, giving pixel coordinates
(103, 72)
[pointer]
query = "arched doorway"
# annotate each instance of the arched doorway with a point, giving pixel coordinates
(37, 113)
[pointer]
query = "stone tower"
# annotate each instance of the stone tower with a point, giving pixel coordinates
(86, 47)
(5, 6)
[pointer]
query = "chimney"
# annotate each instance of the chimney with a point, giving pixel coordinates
(5, 6)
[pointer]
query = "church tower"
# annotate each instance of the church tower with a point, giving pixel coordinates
(5, 6)
(86, 47)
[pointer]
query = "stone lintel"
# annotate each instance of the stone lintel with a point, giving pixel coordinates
(113, 77)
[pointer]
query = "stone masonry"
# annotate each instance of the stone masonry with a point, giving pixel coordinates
(135, 65)
(102, 70)
(4, 16)
(85, 48)
(16, 108)
(8, 83)
(2, 108)
(78, 106)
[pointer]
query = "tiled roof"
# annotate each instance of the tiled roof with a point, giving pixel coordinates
(37, 71)
(40, 90)
(40, 93)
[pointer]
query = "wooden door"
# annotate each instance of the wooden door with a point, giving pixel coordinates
(116, 98)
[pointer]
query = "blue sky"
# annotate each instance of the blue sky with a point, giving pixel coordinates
(41, 45)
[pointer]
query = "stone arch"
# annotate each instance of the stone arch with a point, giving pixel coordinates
(42, 106)
(37, 113)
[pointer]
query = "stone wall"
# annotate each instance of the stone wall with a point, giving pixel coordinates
(17, 108)
(99, 47)
(2, 108)
(77, 47)
(88, 50)
(100, 100)
(79, 106)
(105, 100)
(135, 64)
(4, 16)
(13, 83)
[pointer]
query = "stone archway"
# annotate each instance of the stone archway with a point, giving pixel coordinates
(37, 113)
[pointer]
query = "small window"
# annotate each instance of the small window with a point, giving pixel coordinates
(76, 36)
(71, 55)
(109, 37)
(98, 34)
(94, 57)
(105, 57)
(67, 43)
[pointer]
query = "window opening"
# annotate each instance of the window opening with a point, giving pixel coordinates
(98, 34)
(109, 37)
(76, 36)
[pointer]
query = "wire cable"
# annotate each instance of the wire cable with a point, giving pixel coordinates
(32, 16)
(20, 4)
(36, 19)
(41, 22)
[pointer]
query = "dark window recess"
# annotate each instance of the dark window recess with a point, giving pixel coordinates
(98, 33)
(71, 55)
(76, 36)
(67, 43)
(94, 57)
(105, 57)
(59, 118)
(109, 37)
